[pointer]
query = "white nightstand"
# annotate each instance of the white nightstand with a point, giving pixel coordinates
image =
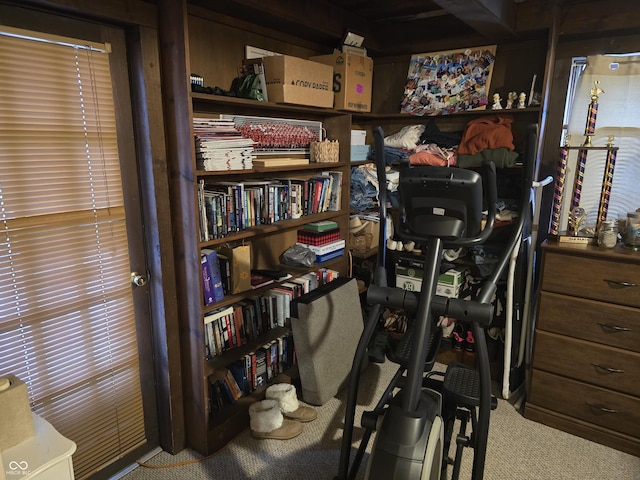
(47, 456)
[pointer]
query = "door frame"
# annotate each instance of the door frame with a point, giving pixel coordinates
(132, 24)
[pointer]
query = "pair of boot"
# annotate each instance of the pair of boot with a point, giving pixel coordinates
(280, 415)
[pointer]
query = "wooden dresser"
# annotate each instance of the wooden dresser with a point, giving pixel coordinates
(585, 376)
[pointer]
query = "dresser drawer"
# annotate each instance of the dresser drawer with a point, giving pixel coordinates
(609, 324)
(599, 406)
(599, 365)
(608, 279)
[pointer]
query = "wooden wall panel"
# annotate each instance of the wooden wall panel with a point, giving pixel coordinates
(210, 39)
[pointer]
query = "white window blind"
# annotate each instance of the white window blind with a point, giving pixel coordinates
(67, 327)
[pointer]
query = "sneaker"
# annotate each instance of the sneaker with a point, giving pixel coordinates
(470, 343)
(458, 341)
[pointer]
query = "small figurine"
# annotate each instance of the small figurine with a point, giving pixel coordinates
(567, 140)
(596, 91)
(511, 97)
(576, 218)
(496, 102)
(521, 100)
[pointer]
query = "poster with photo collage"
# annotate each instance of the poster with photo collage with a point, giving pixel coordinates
(447, 82)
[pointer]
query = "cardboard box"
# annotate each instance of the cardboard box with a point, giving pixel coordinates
(449, 283)
(352, 80)
(295, 80)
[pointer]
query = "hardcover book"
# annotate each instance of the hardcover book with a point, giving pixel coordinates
(279, 161)
(259, 280)
(213, 265)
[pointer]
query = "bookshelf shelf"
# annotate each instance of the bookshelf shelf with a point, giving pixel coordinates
(269, 170)
(396, 118)
(293, 271)
(221, 361)
(272, 228)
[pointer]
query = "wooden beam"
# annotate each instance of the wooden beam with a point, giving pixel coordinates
(494, 19)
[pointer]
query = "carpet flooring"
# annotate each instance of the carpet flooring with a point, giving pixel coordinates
(518, 449)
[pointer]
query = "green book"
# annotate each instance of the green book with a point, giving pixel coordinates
(321, 226)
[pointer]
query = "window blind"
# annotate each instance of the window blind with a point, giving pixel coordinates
(67, 325)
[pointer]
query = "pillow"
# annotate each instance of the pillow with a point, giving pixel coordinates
(408, 137)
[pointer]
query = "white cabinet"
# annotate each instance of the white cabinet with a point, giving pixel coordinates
(47, 456)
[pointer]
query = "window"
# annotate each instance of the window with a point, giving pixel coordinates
(618, 115)
(67, 327)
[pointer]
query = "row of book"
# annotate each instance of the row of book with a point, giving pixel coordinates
(254, 370)
(246, 321)
(229, 207)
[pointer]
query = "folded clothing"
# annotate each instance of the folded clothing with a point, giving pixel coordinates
(432, 154)
(432, 134)
(501, 157)
(491, 131)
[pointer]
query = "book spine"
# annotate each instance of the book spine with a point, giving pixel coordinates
(216, 277)
(248, 366)
(232, 331)
(207, 285)
(261, 367)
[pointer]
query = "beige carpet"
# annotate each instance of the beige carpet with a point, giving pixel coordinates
(518, 449)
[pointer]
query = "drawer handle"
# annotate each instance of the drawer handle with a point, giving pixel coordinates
(601, 408)
(607, 369)
(614, 284)
(607, 327)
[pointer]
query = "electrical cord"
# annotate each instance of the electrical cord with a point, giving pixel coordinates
(179, 464)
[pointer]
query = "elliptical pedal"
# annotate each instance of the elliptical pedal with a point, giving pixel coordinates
(462, 386)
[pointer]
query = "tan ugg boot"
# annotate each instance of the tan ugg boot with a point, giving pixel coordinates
(266, 421)
(285, 395)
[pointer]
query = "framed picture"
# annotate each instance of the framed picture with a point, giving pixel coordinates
(446, 82)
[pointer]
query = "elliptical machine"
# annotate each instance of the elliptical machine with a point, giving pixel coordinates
(441, 207)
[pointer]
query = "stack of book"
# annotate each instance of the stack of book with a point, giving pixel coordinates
(220, 146)
(323, 239)
(312, 237)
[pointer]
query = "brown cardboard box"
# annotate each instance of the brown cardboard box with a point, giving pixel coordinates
(352, 80)
(295, 80)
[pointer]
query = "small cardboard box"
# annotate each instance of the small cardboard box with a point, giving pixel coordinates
(352, 80)
(295, 80)
(449, 283)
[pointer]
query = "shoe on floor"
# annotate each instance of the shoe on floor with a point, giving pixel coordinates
(285, 395)
(267, 422)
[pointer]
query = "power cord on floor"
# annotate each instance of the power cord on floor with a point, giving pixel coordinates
(179, 464)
